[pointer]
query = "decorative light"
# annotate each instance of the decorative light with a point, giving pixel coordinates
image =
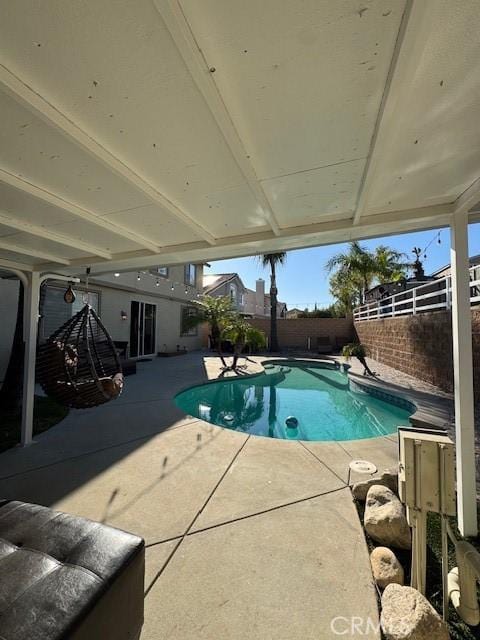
(69, 295)
(172, 287)
(186, 291)
(123, 315)
(157, 283)
(138, 275)
(439, 241)
(117, 275)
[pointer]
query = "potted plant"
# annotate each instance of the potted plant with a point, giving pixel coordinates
(359, 351)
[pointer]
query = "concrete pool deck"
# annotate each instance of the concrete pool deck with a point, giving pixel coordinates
(246, 537)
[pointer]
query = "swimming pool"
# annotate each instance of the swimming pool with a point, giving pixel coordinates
(294, 400)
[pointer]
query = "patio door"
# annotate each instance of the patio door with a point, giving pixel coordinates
(142, 328)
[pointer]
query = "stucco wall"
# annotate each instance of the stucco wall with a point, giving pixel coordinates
(420, 345)
(294, 332)
(116, 294)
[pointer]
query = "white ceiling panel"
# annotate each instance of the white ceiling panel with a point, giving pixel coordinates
(24, 207)
(429, 149)
(79, 230)
(153, 222)
(32, 149)
(312, 196)
(113, 69)
(302, 80)
(42, 244)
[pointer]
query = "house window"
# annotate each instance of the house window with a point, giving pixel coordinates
(185, 313)
(233, 293)
(191, 274)
(55, 311)
(162, 271)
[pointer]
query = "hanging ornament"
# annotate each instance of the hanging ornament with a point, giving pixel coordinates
(69, 295)
(157, 283)
(138, 275)
(439, 241)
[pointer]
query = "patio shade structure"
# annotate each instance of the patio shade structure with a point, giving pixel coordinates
(161, 132)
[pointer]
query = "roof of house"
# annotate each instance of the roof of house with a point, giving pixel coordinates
(212, 281)
(474, 260)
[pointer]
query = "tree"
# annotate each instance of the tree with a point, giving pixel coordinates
(358, 351)
(217, 312)
(390, 264)
(358, 268)
(357, 264)
(273, 260)
(241, 334)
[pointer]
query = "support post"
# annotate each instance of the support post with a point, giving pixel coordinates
(463, 376)
(30, 328)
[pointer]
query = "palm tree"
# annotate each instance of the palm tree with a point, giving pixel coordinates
(217, 312)
(240, 333)
(272, 260)
(358, 264)
(390, 264)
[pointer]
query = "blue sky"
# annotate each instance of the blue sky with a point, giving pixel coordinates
(303, 280)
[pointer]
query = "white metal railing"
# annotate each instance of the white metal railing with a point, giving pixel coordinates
(431, 296)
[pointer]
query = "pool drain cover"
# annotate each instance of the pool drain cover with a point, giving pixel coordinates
(362, 466)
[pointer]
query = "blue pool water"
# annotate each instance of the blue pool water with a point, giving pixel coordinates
(319, 398)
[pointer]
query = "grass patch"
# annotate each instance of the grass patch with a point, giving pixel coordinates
(458, 629)
(46, 414)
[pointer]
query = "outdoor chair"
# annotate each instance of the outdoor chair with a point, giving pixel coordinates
(324, 345)
(64, 577)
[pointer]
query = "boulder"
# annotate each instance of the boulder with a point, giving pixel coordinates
(407, 615)
(387, 479)
(386, 568)
(384, 518)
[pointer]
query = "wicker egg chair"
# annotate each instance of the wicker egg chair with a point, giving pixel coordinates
(79, 366)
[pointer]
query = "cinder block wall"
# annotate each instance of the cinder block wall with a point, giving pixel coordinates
(294, 332)
(420, 345)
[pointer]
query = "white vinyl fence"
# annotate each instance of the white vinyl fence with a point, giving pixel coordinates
(432, 296)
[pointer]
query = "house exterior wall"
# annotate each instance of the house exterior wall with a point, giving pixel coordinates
(420, 346)
(224, 291)
(115, 296)
(295, 332)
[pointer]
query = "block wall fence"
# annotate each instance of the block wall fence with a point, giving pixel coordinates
(420, 345)
(293, 333)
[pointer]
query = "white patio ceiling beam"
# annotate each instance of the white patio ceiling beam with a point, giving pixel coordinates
(79, 212)
(469, 198)
(43, 232)
(50, 114)
(179, 28)
(385, 116)
(297, 237)
(34, 253)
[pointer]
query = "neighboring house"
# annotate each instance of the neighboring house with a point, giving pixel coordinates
(293, 313)
(246, 301)
(145, 309)
(228, 285)
(387, 289)
(445, 271)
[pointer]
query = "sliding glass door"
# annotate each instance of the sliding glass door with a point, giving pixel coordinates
(142, 328)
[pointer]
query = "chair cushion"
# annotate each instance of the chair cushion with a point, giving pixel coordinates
(54, 568)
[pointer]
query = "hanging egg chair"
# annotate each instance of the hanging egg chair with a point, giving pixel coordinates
(79, 366)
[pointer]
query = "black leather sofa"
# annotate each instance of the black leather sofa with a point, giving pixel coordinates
(64, 577)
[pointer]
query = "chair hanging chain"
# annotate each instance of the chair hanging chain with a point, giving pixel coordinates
(86, 295)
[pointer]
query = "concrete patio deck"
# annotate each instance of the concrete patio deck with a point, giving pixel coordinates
(246, 537)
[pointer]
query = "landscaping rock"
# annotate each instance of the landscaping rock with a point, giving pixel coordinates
(407, 615)
(386, 568)
(387, 479)
(384, 518)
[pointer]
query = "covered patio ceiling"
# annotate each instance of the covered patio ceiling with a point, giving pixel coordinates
(170, 131)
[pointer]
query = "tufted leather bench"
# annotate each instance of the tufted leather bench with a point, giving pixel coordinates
(67, 577)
